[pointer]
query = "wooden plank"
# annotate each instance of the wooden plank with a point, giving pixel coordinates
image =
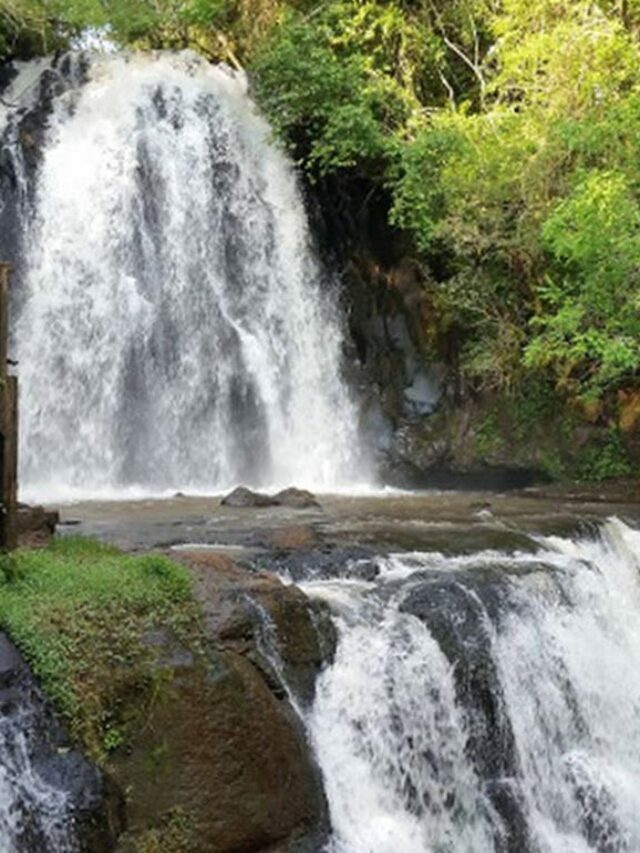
(8, 426)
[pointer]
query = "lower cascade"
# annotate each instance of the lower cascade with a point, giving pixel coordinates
(486, 703)
(174, 329)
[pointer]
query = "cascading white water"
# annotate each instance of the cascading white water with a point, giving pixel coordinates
(34, 815)
(415, 756)
(174, 329)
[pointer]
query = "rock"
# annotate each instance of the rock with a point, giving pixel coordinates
(293, 498)
(243, 498)
(354, 562)
(35, 525)
(255, 614)
(222, 742)
(296, 499)
(95, 804)
(460, 614)
(293, 538)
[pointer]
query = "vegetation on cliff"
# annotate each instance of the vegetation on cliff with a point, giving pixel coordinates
(502, 133)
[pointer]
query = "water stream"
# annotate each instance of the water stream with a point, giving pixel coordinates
(486, 703)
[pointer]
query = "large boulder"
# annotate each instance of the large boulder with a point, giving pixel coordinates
(221, 749)
(223, 745)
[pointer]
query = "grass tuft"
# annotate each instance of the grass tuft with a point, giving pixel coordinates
(80, 611)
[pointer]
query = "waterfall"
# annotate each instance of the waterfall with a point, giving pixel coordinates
(174, 327)
(486, 703)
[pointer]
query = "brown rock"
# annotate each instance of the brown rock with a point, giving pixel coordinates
(293, 538)
(35, 526)
(222, 748)
(243, 609)
(296, 499)
(242, 497)
(245, 498)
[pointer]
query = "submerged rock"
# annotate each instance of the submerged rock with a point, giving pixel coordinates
(294, 498)
(293, 538)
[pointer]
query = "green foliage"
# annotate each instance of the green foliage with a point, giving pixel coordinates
(605, 459)
(330, 108)
(80, 611)
(589, 333)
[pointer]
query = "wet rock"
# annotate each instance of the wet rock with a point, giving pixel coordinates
(242, 497)
(296, 499)
(245, 498)
(36, 526)
(355, 562)
(34, 744)
(461, 613)
(293, 538)
(458, 612)
(284, 633)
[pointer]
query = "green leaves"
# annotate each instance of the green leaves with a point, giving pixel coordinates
(324, 107)
(589, 330)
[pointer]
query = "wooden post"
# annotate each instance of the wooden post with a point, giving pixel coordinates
(8, 426)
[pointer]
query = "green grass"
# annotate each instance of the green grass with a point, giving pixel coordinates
(79, 611)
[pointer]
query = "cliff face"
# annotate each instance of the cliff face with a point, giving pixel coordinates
(429, 426)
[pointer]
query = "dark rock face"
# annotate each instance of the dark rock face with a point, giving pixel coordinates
(291, 497)
(461, 612)
(74, 804)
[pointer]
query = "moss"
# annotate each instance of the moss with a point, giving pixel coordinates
(81, 612)
(175, 834)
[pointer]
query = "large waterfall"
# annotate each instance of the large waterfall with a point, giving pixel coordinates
(174, 328)
(486, 703)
